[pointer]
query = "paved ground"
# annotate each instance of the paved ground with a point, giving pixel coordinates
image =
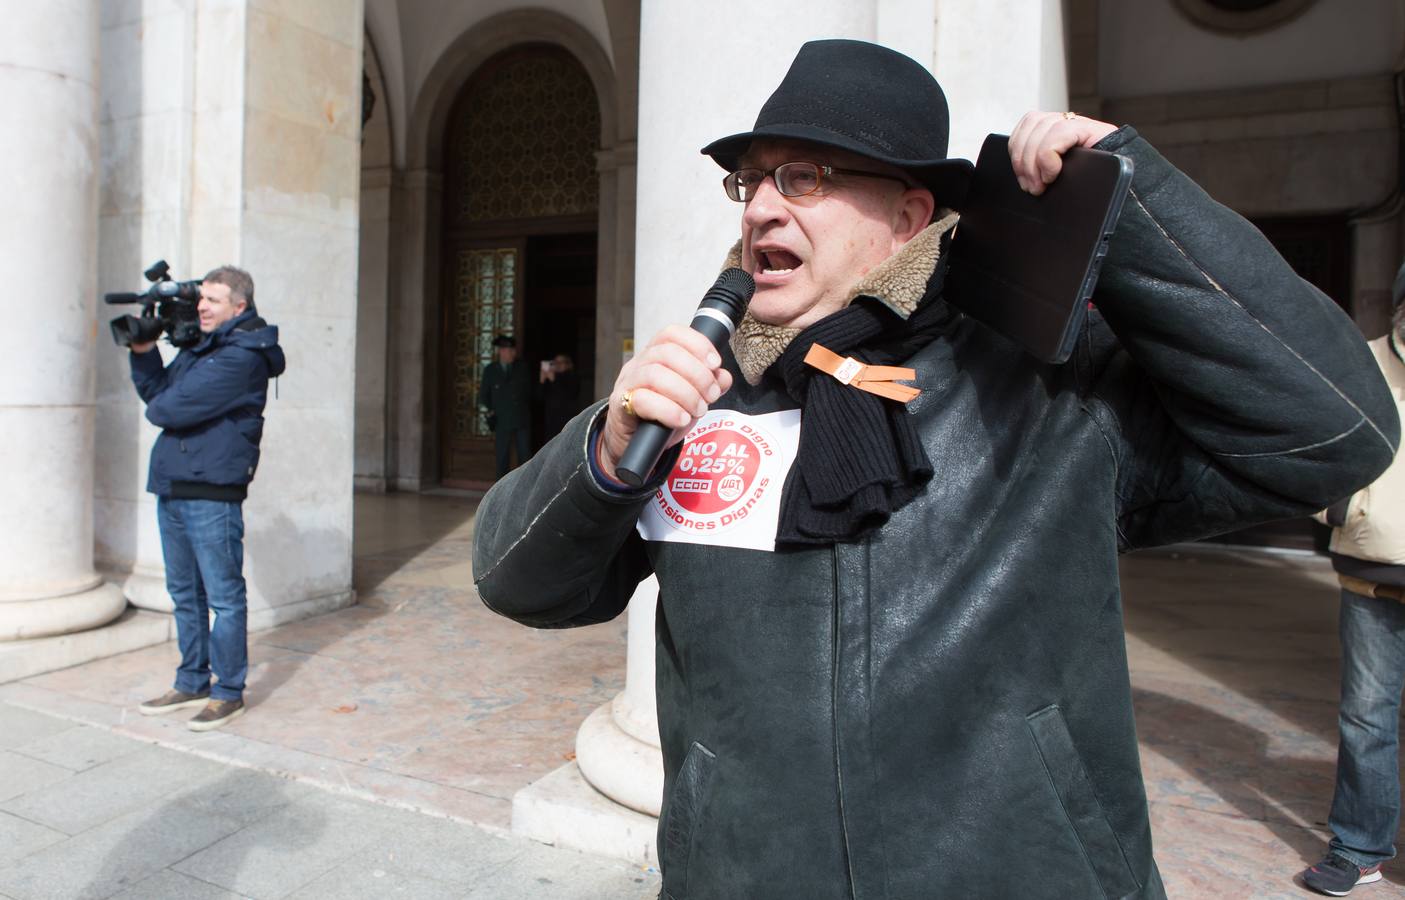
(86, 813)
(424, 703)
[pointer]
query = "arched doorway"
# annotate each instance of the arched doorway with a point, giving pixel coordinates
(520, 211)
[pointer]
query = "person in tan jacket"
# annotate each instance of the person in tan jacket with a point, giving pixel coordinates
(1368, 553)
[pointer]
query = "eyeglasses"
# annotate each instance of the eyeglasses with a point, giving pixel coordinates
(793, 179)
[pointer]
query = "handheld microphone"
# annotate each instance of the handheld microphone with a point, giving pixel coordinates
(717, 317)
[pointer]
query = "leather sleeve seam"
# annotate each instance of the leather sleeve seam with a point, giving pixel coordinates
(1332, 440)
(1219, 289)
(528, 530)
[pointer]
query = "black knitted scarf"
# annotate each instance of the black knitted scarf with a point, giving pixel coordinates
(860, 459)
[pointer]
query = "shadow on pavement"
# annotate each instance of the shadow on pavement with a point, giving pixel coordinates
(202, 836)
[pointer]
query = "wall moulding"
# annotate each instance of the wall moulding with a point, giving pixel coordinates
(1368, 92)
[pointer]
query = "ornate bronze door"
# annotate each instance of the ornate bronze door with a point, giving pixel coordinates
(485, 302)
(519, 163)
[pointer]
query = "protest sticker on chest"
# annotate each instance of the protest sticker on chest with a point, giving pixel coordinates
(725, 489)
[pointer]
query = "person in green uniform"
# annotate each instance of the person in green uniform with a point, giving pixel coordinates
(504, 392)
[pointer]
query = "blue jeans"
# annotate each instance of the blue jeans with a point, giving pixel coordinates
(1366, 805)
(203, 545)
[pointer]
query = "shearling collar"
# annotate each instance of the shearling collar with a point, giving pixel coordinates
(899, 283)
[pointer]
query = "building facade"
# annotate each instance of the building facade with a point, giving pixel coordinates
(406, 179)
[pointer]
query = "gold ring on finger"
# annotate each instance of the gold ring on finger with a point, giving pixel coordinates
(627, 403)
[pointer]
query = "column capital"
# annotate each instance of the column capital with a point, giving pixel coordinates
(625, 153)
(424, 180)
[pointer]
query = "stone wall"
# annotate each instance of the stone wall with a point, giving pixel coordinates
(231, 134)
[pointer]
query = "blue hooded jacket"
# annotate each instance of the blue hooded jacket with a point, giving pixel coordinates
(209, 404)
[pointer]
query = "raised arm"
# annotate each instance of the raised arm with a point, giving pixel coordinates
(214, 385)
(1234, 392)
(148, 371)
(551, 547)
(554, 544)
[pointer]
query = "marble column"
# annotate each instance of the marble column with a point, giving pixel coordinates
(144, 196)
(411, 417)
(253, 161)
(295, 141)
(614, 305)
(991, 81)
(48, 245)
(374, 280)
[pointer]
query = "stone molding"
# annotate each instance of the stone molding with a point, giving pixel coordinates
(425, 180)
(92, 607)
(624, 153)
(1373, 92)
(380, 177)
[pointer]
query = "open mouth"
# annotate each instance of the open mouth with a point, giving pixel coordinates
(777, 262)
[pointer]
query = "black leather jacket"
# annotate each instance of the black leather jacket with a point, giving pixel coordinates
(944, 710)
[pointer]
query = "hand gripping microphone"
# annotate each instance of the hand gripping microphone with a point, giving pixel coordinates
(717, 317)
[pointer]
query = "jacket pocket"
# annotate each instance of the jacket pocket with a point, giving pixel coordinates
(246, 449)
(225, 455)
(1080, 803)
(685, 807)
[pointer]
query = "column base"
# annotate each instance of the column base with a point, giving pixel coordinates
(133, 630)
(619, 765)
(563, 810)
(606, 802)
(144, 590)
(28, 619)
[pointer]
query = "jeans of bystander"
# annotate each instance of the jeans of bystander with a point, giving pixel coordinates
(1366, 805)
(203, 545)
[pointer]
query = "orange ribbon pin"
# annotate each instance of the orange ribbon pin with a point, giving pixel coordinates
(880, 380)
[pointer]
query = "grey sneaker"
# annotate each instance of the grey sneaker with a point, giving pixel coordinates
(215, 714)
(171, 701)
(1336, 876)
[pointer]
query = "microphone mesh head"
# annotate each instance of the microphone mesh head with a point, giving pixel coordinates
(731, 292)
(738, 281)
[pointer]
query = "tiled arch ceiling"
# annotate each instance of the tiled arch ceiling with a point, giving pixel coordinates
(523, 141)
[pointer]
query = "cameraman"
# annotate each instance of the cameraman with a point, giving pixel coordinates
(209, 404)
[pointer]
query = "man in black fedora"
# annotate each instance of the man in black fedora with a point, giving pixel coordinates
(505, 393)
(910, 681)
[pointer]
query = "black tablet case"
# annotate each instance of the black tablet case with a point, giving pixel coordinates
(1026, 265)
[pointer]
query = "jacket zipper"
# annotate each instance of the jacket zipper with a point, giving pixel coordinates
(834, 713)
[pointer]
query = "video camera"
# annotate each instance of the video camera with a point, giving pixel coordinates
(169, 306)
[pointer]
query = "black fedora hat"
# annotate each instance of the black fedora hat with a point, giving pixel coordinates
(866, 99)
(504, 340)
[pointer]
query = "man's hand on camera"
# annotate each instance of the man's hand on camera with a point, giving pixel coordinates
(671, 382)
(143, 348)
(1040, 139)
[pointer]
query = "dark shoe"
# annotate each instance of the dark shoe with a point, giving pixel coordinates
(215, 714)
(171, 701)
(1337, 875)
